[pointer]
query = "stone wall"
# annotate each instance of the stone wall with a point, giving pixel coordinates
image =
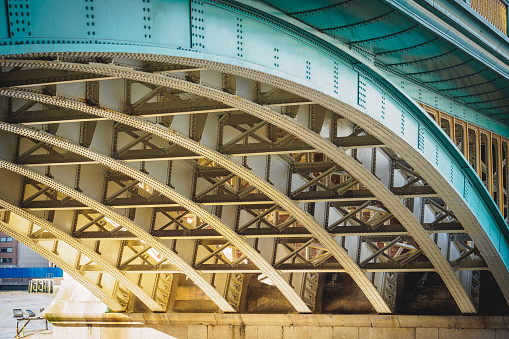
(267, 326)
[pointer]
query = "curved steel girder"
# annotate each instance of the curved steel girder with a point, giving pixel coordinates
(389, 138)
(170, 193)
(414, 158)
(210, 291)
(218, 57)
(79, 246)
(333, 152)
(393, 203)
(72, 271)
(493, 228)
(282, 200)
(453, 199)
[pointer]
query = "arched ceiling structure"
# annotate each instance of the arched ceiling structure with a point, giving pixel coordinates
(421, 40)
(243, 114)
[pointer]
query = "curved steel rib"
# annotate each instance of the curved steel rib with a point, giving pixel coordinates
(170, 193)
(69, 269)
(78, 245)
(393, 203)
(211, 292)
(308, 221)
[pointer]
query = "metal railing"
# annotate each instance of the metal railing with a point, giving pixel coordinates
(487, 153)
(495, 11)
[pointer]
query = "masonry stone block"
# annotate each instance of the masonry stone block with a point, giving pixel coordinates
(197, 331)
(265, 332)
(345, 332)
(501, 333)
(386, 333)
(426, 333)
(453, 333)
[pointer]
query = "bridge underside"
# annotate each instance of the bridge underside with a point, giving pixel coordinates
(252, 161)
(170, 186)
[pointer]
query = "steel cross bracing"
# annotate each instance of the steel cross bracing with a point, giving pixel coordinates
(383, 133)
(115, 299)
(339, 251)
(345, 78)
(455, 286)
(38, 229)
(163, 189)
(118, 220)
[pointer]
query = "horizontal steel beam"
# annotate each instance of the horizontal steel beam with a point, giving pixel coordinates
(44, 77)
(169, 193)
(350, 198)
(296, 268)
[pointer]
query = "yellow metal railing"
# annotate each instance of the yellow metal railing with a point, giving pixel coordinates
(487, 153)
(495, 11)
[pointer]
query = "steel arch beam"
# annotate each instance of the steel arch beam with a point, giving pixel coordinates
(78, 245)
(393, 141)
(72, 271)
(393, 203)
(211, 55)
(211, 292)
(368, 179)
(170, 193)
(308, 221)
(383, 133)
(488, 227)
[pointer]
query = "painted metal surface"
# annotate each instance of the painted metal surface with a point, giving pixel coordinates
(81, 249)
(131, 226)
(339, 252)
(271, 116)
(236, 34)
(71, 270)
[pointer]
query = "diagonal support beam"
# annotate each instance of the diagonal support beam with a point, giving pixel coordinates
(263, 220)
(216, 184)
(133, 257)
(257, 218)
(348, 215)
(131, 144)
(212, 253)
(89, 224)
(148, 96)
(122, 190)
(173, 221)
(294, 252)
(35, 195)
(379, 251)
(308, 221)
(69, 269)
(31, 150)
(244, 135)
(78, 245)
(215, 222)
(314, 180)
